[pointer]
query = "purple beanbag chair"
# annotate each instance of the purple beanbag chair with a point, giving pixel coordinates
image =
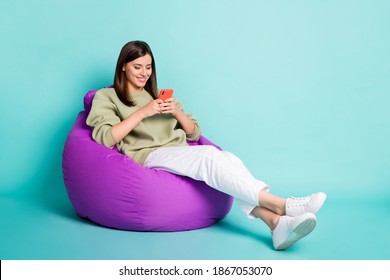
(112, 190)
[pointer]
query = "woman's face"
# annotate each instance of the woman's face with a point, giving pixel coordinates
(138, 72)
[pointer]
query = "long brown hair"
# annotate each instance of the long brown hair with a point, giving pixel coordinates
(131, 51)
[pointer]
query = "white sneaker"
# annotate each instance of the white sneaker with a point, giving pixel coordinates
(290, 229)
(296, 206)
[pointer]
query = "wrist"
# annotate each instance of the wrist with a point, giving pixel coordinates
(141, 114)
(177, 113)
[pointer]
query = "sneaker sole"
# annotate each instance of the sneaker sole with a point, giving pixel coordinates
(299, 232)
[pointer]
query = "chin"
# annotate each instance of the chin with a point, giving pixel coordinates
(138, 84)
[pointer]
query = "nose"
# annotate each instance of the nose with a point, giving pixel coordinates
(143, 72)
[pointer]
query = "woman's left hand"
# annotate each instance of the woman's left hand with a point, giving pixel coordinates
(169, 107)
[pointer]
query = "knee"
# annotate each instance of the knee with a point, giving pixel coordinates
(211, 153)
(211, 150)
(232, 158)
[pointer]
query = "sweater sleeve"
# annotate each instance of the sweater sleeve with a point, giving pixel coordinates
(197, 131)
(101, 118)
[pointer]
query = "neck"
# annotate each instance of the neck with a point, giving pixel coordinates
(134, 89)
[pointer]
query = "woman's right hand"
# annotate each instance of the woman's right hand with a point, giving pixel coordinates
(120, 130)
(152, 108)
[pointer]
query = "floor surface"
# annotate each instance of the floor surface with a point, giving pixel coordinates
(44, 229)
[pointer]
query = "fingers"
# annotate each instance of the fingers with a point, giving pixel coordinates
(164, 108)
(158, 106)
(167, 107)
(153, 108)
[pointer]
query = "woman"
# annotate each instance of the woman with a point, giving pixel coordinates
(155, 133)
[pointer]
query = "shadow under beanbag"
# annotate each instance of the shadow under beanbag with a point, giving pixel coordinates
(112, 190)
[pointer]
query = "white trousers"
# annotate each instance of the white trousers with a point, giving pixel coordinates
(221, 170)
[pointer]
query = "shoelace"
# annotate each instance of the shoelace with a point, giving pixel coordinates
(297, 201)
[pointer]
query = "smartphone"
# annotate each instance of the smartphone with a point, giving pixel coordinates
(165, 94)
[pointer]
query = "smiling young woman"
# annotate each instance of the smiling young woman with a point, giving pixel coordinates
(135, 60)
(138, 72)
(155, 133)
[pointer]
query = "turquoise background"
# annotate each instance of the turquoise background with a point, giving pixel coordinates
(299, 90)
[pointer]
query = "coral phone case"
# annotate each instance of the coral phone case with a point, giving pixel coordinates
(165, 94)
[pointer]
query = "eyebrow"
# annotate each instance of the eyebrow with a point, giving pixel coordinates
(141, 64)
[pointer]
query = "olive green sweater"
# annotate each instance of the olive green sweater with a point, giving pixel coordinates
(161, 130)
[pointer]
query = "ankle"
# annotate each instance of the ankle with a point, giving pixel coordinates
(280, 209)
(274, 222)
